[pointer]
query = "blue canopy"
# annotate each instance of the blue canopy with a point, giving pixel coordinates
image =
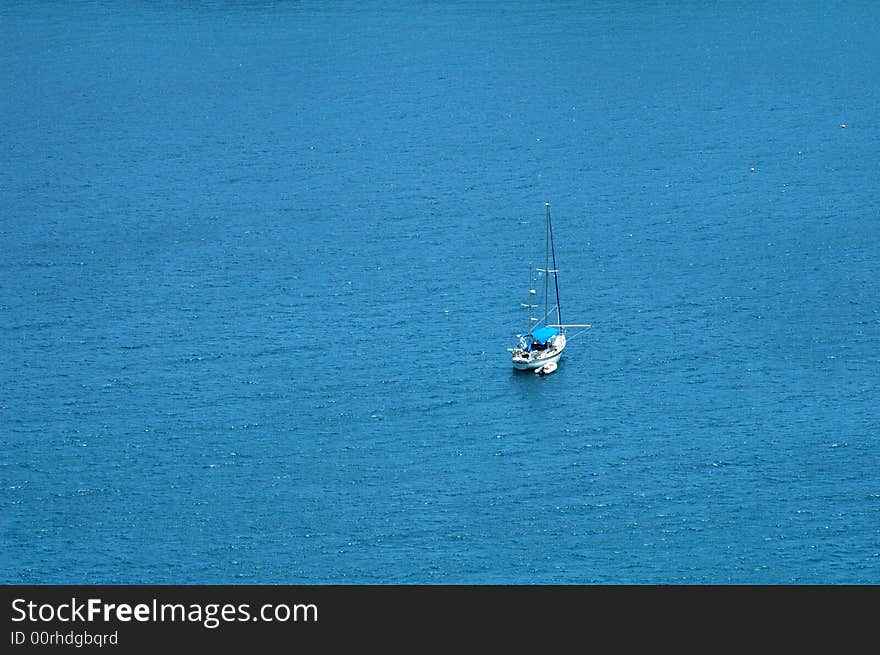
(543, 334)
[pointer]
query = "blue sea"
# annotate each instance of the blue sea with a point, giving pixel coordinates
(261, 263)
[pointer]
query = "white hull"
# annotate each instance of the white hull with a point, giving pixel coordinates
(537, 359)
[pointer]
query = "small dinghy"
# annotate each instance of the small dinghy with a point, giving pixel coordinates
(546, 369)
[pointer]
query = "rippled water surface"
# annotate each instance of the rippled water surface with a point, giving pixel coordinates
(262, 262)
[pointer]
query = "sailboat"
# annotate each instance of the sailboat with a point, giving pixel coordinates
(541, 346)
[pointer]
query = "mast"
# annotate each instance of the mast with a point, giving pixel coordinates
(547, 270)
(551, 250)
(555, 270)
(531, 301)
